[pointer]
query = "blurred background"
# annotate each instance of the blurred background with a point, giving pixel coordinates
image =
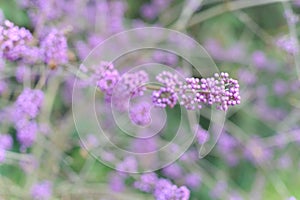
(255, 41)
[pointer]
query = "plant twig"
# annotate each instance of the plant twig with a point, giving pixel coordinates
(227, 7)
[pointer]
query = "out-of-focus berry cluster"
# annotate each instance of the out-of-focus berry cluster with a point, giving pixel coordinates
(162, 189)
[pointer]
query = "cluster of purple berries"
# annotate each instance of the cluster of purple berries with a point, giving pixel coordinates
(140, 114)
(18, 44)
(29, 102)
(14, 41)
(24, 112)
(6, 143)
(134, 83)
(41, 190)
(162, 189)
(288, 44)
(220, 90)
(119, 88)
(54, 48)
(151, 10)
(164, 97)
(106, 77)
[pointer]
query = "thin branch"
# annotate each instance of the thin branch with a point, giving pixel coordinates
(293, 33)
(227, 7)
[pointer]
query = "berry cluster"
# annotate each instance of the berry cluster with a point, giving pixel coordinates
(24, 112)
(220, 90)
(140, 114)
(54, 48)
(18, 44)
(106, 77)
(119, 89)
(14, 41)
(6, 142)
(162, 189)
(288, 44)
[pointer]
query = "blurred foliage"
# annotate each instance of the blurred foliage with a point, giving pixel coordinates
(229, 30)
(14, 13)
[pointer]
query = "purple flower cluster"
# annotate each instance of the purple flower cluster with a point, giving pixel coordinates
(128, 164)
(146, 183)
(247, 77)
(227, 147)
(291, 17)
(173, 171)
(259, 59)
(50, 10)
(235, 53)
(288, 44)
(117, 182)
(165, 58)
(41, 190)
(6, 143)
(151, 10)
(54, 48)
(256, 151)
(14, 41)
(25, 110)
(134, 83)
(114, 18)
(106, 77)
(193, 180)
(165, 190)
(118, 89)
(162, 189)
(109, 81)
(29, 102)
(140, 114)
(202, 135)
(26, 133)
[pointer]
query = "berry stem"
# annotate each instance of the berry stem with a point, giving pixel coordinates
(157, 87)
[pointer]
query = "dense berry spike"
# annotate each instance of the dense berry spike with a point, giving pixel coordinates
(220, 90)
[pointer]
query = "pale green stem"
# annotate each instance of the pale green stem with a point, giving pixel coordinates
(189, 8)
(254, 27)
(280, 186)
(293, 34)
(42, 79)
(227, 7)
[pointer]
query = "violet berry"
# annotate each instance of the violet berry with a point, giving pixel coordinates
(169, 191)
(107, 77)
(164, 97)
(26, 133)
(140, 114)
(41, 190)
(54, 48)
(29, 102)
(146, 183)
(14, 41)
(168, 79)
